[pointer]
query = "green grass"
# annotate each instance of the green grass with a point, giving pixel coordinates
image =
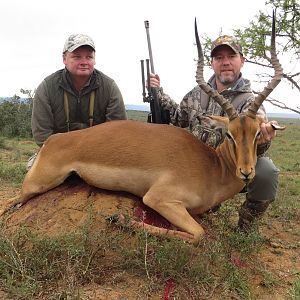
(137, 115)
(295, 290)
(14, 154)
(32, 265)
(285, 147)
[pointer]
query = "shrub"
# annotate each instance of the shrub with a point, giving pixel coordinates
(15, 117)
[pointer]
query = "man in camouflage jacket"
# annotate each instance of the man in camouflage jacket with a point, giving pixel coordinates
(227, 61)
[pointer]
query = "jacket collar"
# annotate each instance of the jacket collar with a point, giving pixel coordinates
(242, 85)
(67, 85)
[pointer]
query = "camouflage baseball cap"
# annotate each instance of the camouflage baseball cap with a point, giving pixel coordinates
(228, 40)
(75, 41)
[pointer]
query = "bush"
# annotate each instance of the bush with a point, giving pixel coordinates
(15, 117)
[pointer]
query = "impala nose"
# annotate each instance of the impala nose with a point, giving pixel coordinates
(246, 175)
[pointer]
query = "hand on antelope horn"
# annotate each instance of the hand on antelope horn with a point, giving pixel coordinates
(268, 131)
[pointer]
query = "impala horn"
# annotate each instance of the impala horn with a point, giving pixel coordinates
(259, 99)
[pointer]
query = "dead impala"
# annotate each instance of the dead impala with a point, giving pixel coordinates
(172, 173)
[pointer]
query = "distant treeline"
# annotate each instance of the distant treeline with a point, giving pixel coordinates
(15, 117)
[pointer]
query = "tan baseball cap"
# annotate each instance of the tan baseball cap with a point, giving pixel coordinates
(228, 40)
(75, 41)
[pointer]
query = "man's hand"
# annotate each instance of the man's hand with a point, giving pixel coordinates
(154, 81)
(267, 132)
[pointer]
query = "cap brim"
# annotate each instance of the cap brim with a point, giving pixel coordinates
(233, 49)
(71, 49)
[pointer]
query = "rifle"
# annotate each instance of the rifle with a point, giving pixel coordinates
(157, 114)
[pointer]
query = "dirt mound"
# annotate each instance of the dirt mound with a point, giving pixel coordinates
(68, 207)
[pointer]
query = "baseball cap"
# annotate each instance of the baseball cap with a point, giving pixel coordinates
(75, 41)
(228, 40)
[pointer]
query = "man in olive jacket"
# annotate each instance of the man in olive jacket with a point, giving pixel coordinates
(77, 96)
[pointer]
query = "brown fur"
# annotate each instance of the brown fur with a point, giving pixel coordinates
(174, 173)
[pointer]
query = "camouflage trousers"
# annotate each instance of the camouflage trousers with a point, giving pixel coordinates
(260, 193)
(265, 183)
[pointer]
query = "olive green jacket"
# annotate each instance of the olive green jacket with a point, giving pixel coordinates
(48, 113)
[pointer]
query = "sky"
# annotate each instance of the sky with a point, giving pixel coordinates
(33, 34)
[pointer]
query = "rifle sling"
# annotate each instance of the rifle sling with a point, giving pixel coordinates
(91, 108)
(67, 112)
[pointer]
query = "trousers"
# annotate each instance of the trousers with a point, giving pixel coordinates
(264, 184)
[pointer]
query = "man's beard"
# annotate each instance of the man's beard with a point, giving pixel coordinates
(227, 80)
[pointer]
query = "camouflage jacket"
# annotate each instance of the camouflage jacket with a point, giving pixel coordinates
(197, 103)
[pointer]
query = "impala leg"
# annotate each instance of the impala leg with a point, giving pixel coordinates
(175, 212)
(163, 231)
(7, 204)
(36, 181)
(153, 230)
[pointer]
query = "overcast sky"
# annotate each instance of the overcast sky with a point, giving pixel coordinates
(33, 34)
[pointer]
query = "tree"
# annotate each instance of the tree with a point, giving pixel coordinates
(255, 38)
(15, 115)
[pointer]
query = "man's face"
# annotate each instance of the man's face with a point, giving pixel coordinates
(227, 65)
(80, 62)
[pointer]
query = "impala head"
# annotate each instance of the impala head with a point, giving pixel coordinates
(242, 137)
(243, 130)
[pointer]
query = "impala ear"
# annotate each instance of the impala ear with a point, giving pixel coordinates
(214, 122)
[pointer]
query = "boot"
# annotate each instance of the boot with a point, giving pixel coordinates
(249, 213)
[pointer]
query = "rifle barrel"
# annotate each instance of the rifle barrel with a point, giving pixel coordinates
(149, 47)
